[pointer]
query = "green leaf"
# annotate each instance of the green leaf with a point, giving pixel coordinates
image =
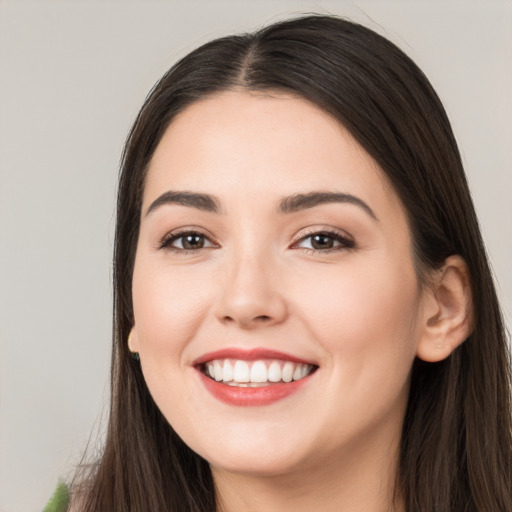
(59, 501)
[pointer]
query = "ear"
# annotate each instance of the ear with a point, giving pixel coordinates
(448, 311)
(133, 341)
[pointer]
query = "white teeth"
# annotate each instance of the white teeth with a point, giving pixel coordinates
(274, 372)
(241, 372)
(227, 374)
(259, 372)
(288, 371)
(217, 368)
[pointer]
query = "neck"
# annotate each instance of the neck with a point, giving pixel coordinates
(362, 479)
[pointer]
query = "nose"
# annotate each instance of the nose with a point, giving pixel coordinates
(250, 295)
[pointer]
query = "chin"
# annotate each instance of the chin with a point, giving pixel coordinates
(256, 455)
(256, 463)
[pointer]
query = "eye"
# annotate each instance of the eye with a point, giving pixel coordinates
(186, 241)
(325, 241)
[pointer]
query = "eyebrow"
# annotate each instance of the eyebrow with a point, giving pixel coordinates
(203, 202)
(289, 204)
(300, 202)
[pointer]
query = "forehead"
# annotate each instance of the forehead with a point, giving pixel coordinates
(263, 146)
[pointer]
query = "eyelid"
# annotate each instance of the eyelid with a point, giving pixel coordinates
(345, 239)
(165, 241)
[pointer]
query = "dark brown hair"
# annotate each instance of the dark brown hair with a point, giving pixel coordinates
(456, 451)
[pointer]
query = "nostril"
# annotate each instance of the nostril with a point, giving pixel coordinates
(254, 321)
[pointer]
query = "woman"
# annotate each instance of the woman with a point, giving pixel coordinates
(304, 313)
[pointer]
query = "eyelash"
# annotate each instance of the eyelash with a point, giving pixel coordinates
(169, 239)
(345, 243)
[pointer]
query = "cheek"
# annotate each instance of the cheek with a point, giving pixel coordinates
(169, 306)
(364, 321)
(361, 313)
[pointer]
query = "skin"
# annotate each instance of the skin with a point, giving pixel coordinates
(357, 310)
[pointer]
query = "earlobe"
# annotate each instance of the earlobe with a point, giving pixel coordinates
(133, 341)
(448, 314)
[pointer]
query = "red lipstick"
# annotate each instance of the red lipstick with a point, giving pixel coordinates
(264, 395)
(246, 395)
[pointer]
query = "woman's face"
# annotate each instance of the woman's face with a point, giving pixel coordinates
(277, 308)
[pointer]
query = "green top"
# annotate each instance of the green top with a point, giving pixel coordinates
(60, 500)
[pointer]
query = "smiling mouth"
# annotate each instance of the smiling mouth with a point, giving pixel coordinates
(258, 373)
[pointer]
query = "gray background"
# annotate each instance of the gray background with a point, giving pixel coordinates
(72, 77)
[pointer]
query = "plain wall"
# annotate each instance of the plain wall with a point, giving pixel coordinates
(72, 77)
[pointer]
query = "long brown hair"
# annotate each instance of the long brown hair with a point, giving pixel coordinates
(456, 451)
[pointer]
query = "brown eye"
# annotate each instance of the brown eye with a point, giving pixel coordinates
(325, 241)
(189, 241)
(322, 241)
(192, 242)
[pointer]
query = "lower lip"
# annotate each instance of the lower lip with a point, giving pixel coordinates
(263, 395)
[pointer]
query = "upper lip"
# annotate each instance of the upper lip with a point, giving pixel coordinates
(249, 355)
